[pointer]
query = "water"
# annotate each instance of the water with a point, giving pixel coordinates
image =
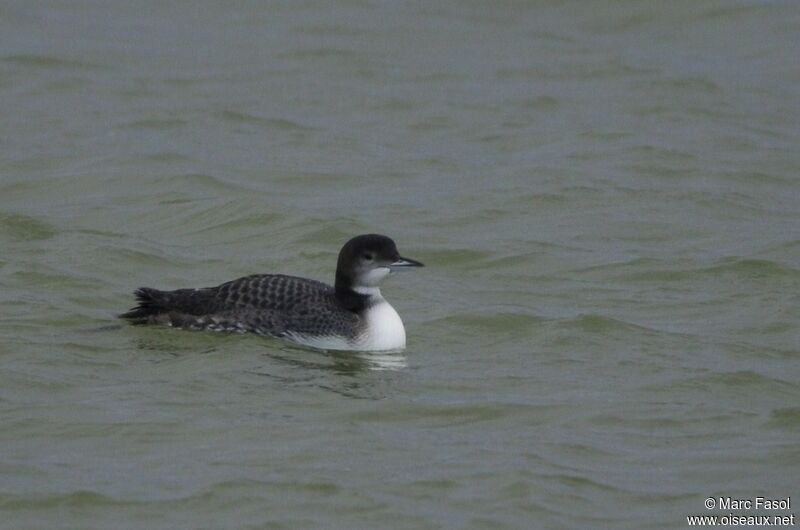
(605, 196)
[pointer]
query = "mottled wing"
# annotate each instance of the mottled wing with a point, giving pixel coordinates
(279, 305)
(322, 319)
(269, 304)
(269, 292)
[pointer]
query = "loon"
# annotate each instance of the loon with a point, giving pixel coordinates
(350, 315)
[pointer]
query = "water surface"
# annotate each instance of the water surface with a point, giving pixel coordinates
(606, 198)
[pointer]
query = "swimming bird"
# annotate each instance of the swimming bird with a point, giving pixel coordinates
(350, 315)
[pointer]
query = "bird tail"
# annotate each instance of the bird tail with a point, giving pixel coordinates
(150, 302)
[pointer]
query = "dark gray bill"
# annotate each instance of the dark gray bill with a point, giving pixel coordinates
(404, 263)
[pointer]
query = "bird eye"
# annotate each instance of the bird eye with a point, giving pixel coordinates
(369, 256)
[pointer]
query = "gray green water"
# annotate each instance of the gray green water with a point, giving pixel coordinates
(605, 195)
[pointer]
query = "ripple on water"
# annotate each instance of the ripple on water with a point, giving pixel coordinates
(739, 383)
(485, 328)
(461, 257)
(222, 227)
(73, 500)
(16, 227)
(594, 323)
(163, 157)
(652, 270)
(155, 124)
(453, 415)
(272, 124)
(195, 182)
(49, 62)
(787, 418)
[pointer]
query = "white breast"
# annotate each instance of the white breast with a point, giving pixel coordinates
(384, 329)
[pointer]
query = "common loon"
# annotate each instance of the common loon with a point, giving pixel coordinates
(351, 315)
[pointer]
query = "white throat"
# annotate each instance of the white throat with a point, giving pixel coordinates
(383, 328)
(373, 277)
(373, 292)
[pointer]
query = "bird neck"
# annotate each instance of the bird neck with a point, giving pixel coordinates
(348, 296)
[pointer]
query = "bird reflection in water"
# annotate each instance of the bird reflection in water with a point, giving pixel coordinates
(344, 362)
